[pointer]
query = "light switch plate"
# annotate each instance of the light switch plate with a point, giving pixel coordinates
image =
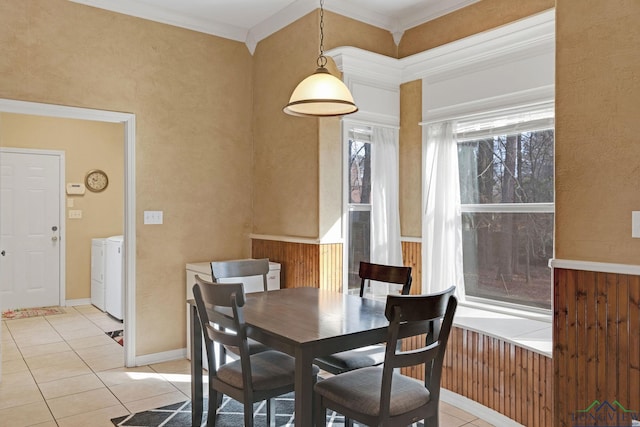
(75, 214)
(635, 224)
(153, 217)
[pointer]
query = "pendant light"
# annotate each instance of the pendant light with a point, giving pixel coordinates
(321, 94)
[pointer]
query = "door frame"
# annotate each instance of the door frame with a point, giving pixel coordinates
(129, 121)
(62, 231)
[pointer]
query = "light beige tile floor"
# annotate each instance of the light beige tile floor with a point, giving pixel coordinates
(63, 370)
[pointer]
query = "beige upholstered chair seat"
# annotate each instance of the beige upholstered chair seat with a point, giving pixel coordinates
(408, 394)
(269, 369)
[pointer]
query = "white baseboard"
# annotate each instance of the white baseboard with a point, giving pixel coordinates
(165, 356)
(74, 302)
(471, 406)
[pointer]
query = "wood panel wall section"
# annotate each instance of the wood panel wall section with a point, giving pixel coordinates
(596, 342)
(412, 257)
(507, 378)
(303, 264)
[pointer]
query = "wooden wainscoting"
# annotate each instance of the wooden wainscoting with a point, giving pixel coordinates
(509, 379)
(596, 349)
(412, 257)
(303, 264)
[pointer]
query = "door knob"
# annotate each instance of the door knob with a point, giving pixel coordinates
(2, 253)
(54, 228)
(54, 238)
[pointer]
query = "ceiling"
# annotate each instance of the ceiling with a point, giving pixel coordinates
(250, 21)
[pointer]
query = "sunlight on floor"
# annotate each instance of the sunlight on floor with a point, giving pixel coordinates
(64, 370)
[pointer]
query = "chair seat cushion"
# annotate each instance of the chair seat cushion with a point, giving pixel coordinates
(344, 361)
(360, 391)
(269, 369)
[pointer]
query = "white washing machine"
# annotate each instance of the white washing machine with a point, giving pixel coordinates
(98, 249)
(114, 276)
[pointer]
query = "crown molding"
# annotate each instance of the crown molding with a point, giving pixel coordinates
(278, 21)
(531, 35)
(432, 11)
(154, 13)
(365, 64)
(294, 11)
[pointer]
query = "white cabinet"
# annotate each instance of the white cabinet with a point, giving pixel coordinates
(97, 272)
(251, 284)
(114, 277)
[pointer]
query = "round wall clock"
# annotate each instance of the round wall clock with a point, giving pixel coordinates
(96, 180)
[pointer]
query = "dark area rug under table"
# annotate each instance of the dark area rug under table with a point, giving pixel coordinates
(230, 414)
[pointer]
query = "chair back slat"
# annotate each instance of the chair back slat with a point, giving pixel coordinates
(241, 268)
(385, 273)
(420, 307)
(219, 307)
(414, 357)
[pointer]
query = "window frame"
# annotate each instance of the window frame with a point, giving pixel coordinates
(492, 304)
(348, 207)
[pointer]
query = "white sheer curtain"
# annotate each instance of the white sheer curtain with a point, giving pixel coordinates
(441, 221)
(385, 187)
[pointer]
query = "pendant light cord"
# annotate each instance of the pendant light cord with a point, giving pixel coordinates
(322, 60)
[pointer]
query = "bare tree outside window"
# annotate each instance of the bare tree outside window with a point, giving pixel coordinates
(359, 209)
(359, 171)
(507, 237)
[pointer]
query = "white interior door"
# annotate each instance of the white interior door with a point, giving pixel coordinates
(29, 229)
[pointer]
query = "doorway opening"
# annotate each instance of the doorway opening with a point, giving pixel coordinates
(128, 121)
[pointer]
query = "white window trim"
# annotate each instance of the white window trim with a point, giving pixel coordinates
(509, 207)
(517, 310)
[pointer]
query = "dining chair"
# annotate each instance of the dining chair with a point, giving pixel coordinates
(241, 268)
(253, 377)
(237, 270)
(380, 395)
(372, 355)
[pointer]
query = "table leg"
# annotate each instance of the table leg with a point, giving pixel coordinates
(196, 368)
(304, 388)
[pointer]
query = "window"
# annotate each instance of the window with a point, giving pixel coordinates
(507, 204)
(359, 203)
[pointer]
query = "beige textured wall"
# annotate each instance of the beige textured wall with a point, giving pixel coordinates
(411, 159)
(473, 19)
(87, 145)
(597, 130)
(285, 174)
(191, 94)
(342, 31)
(288, 199)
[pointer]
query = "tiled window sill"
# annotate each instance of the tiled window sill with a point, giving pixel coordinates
(532, 334)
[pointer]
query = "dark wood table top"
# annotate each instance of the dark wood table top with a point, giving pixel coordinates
(306, 316)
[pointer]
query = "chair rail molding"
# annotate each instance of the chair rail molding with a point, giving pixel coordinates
(294, 239)
(600, 267)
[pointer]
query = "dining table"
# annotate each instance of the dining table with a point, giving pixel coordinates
(305, 323)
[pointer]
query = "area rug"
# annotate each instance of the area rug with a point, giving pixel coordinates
(117, 336)
(230, 414)
(23, 313)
